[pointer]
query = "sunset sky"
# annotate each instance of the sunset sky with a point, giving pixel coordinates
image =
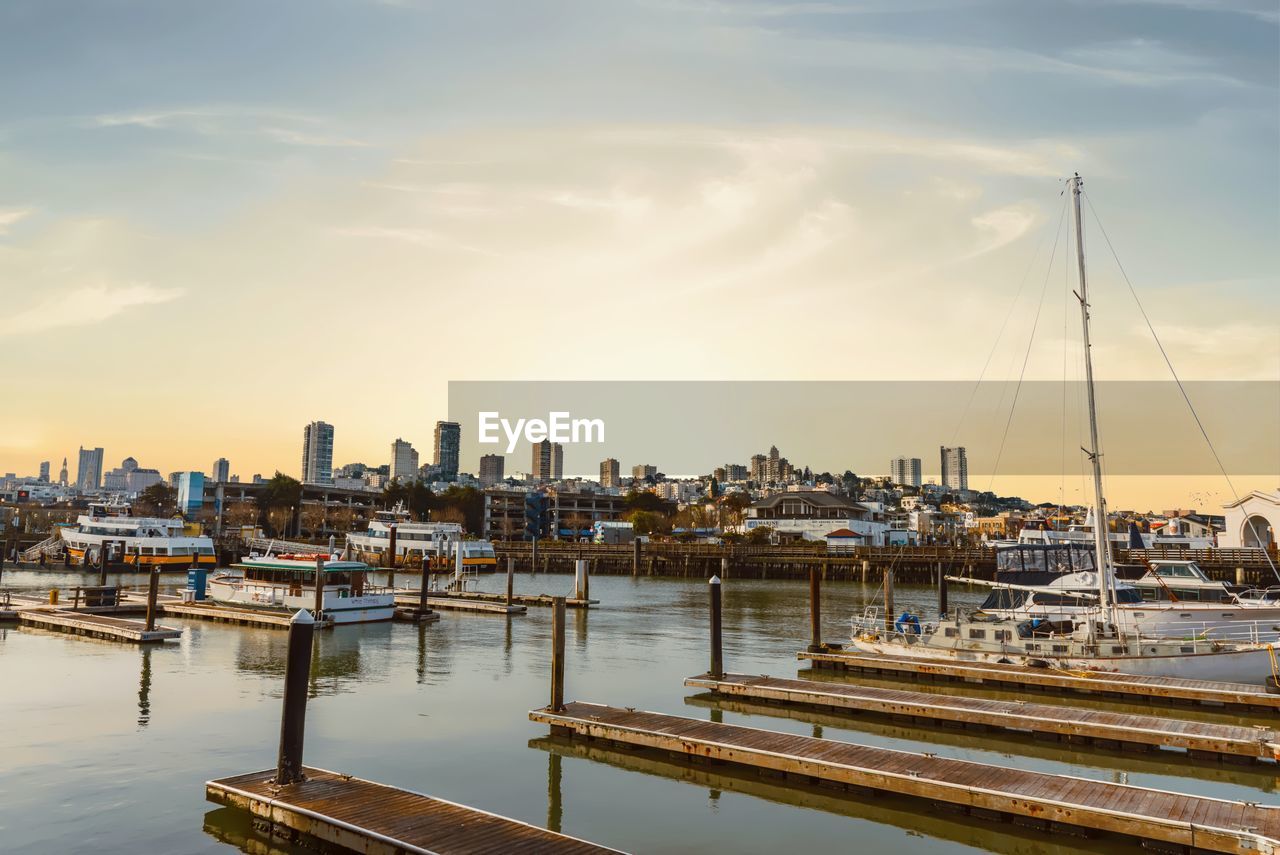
(219, 221)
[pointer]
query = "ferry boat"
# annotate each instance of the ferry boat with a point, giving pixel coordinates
(145, 542)
(288, 581)
(437, 541)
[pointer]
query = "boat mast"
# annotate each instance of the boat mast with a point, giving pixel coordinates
(1101, 543)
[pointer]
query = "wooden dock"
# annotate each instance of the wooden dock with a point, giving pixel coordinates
(246, 616)
(95, 626)
(458, 604)
(1155, 690)
(994, 792)
(371, 818)
(1107, 729)
(535, 600)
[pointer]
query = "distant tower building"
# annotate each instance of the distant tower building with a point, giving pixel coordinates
(759, 468)
(89, 470)
(44, 471)
(644, 472)
(773, 472)
(448, 439)
(548, 461)
(190, 493)
(955, 468)
(404, 461)
(317, 453)
(609, 473)
(491, 469)
(221, 471)
(735, 472)
(905, 471)
(62, 473)
(128, 465)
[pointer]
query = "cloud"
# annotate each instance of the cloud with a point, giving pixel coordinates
(84, 307)
(292, 137)
(11, 216)
(279, 126)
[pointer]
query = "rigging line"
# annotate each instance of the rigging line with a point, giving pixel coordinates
(1026, 274)
(1176, 379)
(1026, 357)
(1066, 314)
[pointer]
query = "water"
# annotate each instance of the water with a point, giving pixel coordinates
(107, 746)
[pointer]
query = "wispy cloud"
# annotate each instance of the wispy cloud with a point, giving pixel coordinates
(281, 126)
(293, 137)
(83, 307)
(11, 216)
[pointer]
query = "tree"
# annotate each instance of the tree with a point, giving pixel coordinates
(468, 501)
(278, 520)
(648, 522)
(342, 519)
(760, 535)
(646, 501)
(159, 500)
(279, 498)
(241, 514)
(312, 518)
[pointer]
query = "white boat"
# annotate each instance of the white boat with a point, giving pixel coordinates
(436, 541)
(145, 542)
(289, 582)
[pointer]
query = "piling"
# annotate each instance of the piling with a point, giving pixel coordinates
(319, 609)
(815, 610)
(724, 568)
(888, 599)
(866, 565)
(293, 716)
(579, 579)
(511, 570)
(391, 558)
(423, 608)
(102, 564)
(557, 654)
(1239, 575)
(153, 591)
(635, 557)
(533, 556)
(942, 594)
(717, 626)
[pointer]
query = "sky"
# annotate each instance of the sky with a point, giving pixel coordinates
(220, 221)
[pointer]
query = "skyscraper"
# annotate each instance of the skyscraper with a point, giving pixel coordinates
(491, 469)
(62, 473)
(955, 468)
(644, 471)
(548, 461)
(44, 471)
(221, 470)
(317, 453)
(89, 470)
(905, 471)
(404, 461)
(448, 438)
(609, 473)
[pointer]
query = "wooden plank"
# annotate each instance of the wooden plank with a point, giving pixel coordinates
(458, 604)
(1153, 689)
(975, 786)
(1220, 739)
(373, 818)
(96, 626)
(246, 616)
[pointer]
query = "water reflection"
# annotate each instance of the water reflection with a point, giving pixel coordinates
(916, 817)
(144, 688)
(555, 812)
(236, 828)
(337, 662)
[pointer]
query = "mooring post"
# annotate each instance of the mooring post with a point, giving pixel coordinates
(102, 565)
(579, 571)
(717, 650)
(423, 608)
(511, 570)
(888, 599)
(557, 654)
(153, 591)
(319, 610)
(635, 557)
(293, 718)
(942, 594)
(391, 558)
(815, 610)
(866, 565)
(533, 557)
(724, 568)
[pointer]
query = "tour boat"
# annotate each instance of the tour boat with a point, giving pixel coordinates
(436, 541)
(145, 542)
(289, 582)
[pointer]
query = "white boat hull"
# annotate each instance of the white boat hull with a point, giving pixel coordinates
(338, 608)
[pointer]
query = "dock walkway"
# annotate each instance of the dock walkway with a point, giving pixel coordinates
(1109, 729)
(1156, 690)
(458, 604)
(536, 600)
(95, 626)
(1035, 798)
(367, 817)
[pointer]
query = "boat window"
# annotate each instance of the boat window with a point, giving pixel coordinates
(1003, 635)
(1116, 648)
(1059, 648)
(950, 632)
(977, 633)
(1128, 595)
(1033, 648)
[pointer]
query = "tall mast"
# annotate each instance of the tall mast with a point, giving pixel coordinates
(1101, 543)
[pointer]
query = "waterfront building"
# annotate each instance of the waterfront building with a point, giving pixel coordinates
(317, 453)
(89, 471)
(905, 471)
(644, 472)
(404, 461)
(610, 472)
(955, 468)
(1252, 521)
(448, 442)
(44, 471)
(491, 469)
(221, 470)
(548, 461)
(813, 514)
(561, 512)
(190, 493)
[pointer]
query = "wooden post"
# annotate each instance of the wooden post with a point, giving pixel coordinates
(423, 608)
(866, 565)
(942, 593)
(888, 599)
(319, 610)
(533, 557)
(724, 568)
(579, 579)
(635, 556)
(557, 654)
(511, 570)
(1239, 575)
(153, 590)
(391, 559)
(815, 610)
(102, 568)
(293, 716)
(717, 649)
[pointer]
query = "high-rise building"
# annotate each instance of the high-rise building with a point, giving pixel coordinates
(548, 461)
(735, 472)
(404, 461)
(759, 468)
(609, 473)
(44, 471)
(955, 468)
(221, 470)
(317, 453)
(140, 479)
(491, 469)
(190, 493)
(448, 439)
(905, 471)
(89, 470)
(644, 472)
(62, 473)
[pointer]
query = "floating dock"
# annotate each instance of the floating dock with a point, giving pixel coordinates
(244, 616)
(1046, 801)
(458, 604)
(1106, 729)
(1155, 690)
(366, 817)
(95, 626)
(535, 600)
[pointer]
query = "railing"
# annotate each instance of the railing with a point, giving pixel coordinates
(50, 546)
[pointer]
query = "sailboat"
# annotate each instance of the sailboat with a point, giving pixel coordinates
(1094, 638)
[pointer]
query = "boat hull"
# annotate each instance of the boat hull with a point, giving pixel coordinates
(367, 608)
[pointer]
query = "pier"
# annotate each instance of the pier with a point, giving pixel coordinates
(95, 626)
(1049, 802)
(1154, 690)
(410, 599)
(1105, 729)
